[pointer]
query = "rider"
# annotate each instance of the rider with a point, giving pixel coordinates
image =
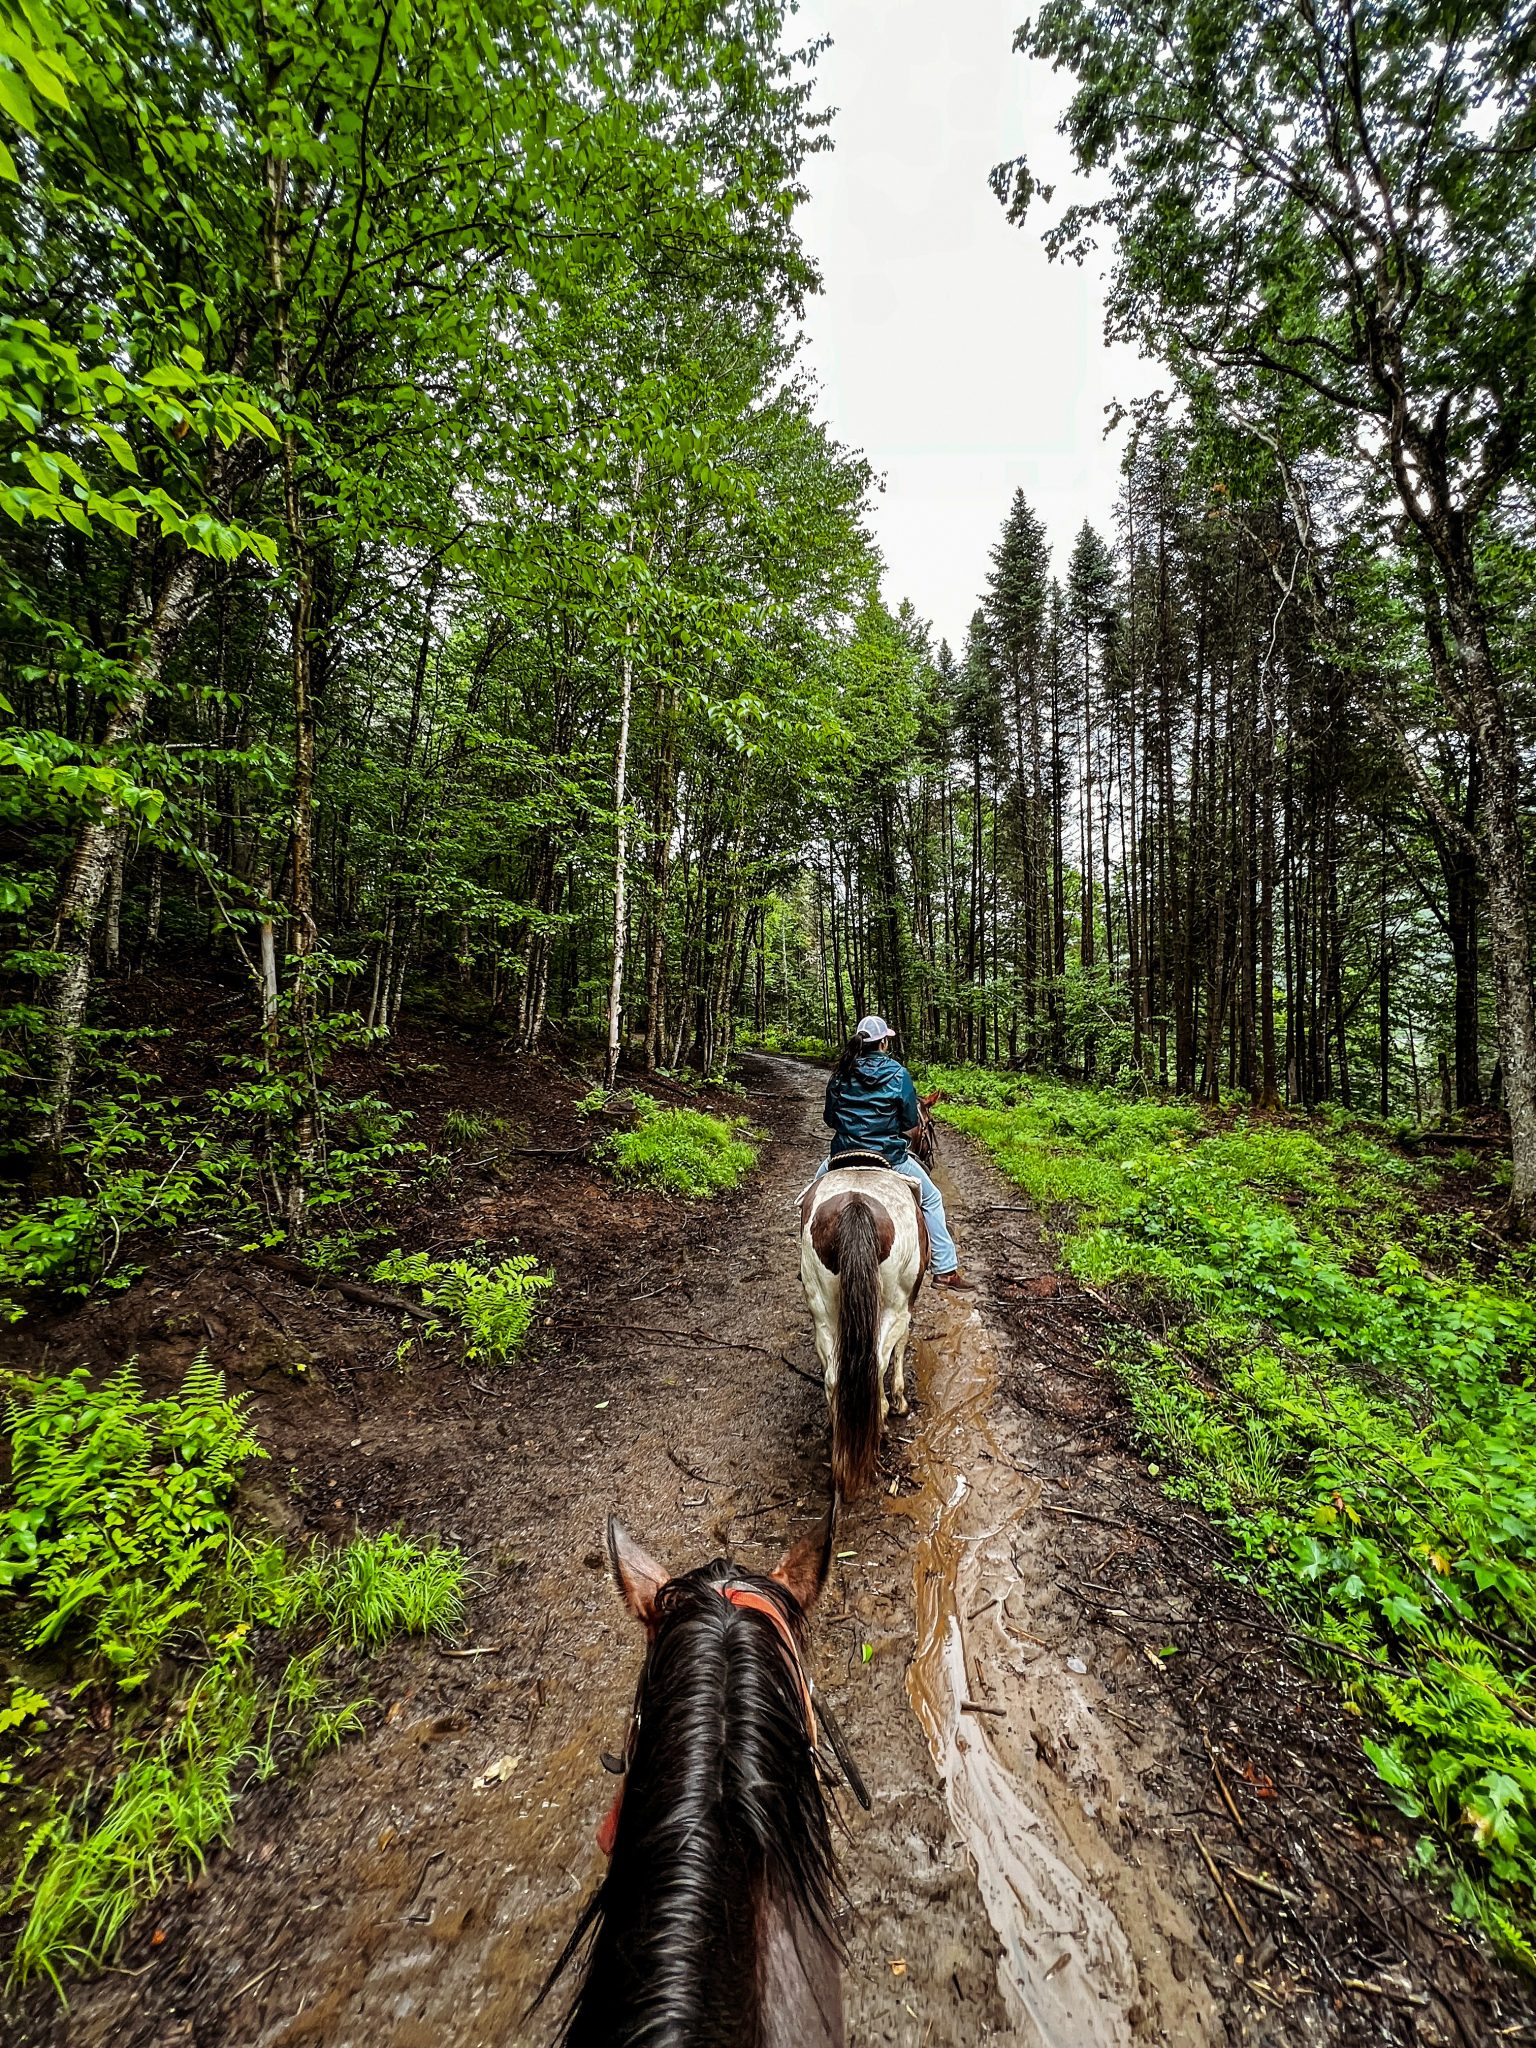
(872, 1107)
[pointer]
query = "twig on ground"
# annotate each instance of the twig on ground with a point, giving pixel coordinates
(260, 1978)
(696, 1337)
(1082, 1515)
(692, 1471)
(1221, 1786)
(800, 1371)
(1216, 1878)
(1260, 1884)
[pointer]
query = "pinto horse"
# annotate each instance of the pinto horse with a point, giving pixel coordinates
(863, 1254)
(713, 1927)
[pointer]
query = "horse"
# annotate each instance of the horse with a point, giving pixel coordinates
(714, 1925)
(863, 1254)
(924, 1141)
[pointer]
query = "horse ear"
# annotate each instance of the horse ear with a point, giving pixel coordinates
(929, 1100)
(802, 1570)
(635, 1572)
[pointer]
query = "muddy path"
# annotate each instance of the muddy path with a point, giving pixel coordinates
(1074, 1841)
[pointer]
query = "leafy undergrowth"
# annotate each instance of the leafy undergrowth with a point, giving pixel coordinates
(683, 1151)
(1312, 1354)
(145, 1161)
(133, 1601)
(488, 1307)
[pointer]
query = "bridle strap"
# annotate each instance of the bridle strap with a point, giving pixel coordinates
(758, 1603)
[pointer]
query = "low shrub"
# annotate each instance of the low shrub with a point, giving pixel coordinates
(1360, 1422)
(683, 1151)
(143, 1163)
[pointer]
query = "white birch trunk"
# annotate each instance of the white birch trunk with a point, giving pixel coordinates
(620, 868)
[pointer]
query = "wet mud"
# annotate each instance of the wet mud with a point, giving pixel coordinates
(1034, 1867)
(1036, 1785)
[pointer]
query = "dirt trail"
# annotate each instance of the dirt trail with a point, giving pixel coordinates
(389, 1903)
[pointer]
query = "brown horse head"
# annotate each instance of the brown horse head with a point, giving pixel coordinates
(714, 1920)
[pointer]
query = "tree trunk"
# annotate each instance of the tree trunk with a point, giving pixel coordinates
(620, 868)
(1509, 927)
(89, 872)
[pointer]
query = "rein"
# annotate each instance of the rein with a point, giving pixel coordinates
(758, 1603)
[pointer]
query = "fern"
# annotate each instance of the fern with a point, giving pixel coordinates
(119, 1505)
(491, 1306)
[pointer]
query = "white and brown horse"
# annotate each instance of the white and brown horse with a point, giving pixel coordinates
(863, 1254)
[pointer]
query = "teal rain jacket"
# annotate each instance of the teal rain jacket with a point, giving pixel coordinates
(872, 1110)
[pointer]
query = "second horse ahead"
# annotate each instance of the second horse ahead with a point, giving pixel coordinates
(863, 1254)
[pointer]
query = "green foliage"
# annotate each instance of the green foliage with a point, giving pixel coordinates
(80, 1878)
(1360, 1422)
(491, 1306)
(684, 1151)
(148, 1162)
(469, 1127)
(365, 1594)
(116, 1540)
(119, 1508)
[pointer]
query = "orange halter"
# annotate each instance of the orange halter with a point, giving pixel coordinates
(759, 1603)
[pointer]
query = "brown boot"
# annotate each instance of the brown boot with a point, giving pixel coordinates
(955, 1280)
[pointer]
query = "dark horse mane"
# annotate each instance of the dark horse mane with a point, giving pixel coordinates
(722, 1818)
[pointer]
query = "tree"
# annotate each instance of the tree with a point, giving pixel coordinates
(1323, 217)
(1017, 605)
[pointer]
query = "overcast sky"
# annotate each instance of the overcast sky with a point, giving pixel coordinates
(947, 347)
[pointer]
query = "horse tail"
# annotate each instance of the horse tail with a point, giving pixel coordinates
(856, 1396)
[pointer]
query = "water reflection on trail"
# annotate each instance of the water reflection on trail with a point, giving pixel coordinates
(1066, 1972)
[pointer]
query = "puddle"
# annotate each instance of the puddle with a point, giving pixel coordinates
(1066, 1973)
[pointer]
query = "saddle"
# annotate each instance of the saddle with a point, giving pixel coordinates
(841, 1159)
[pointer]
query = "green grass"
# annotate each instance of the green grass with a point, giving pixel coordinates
(469, 1127)
(683, 1151)
(125, 1570)
(364, 1595)
(1331, 1376)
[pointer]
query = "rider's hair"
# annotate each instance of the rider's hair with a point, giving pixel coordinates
(850, 1054)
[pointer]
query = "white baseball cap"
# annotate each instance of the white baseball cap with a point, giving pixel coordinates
(873, 1029)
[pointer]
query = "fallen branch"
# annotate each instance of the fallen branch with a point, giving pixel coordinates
(351, 1290)
(696, 1337)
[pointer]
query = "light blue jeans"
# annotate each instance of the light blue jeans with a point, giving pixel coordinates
(940, 1244)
